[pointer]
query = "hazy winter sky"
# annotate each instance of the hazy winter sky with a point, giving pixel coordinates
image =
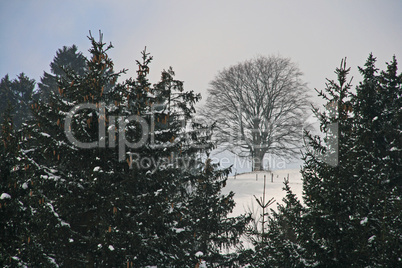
(199, 38)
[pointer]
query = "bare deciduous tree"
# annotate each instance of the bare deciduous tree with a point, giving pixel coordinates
(259, 107)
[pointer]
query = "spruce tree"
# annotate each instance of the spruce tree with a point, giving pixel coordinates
(378, 150)
(66, 59)
(114, 203)
(19, 93)
(11, 231)
(65, 176)
(351, 181)
(328, 184)
(18, 246)
(353, 206)
(7, 95)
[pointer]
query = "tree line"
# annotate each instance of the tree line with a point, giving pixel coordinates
(62, 205)
(67, 206)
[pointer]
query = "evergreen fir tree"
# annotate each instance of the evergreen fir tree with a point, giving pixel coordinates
(18, 92)
(328, 184)
(65, 175)
(66, 59)
(351, 213)
(17, 244)
(352, 206)
(187, 192)
(114, 203)
(378, 150)
(10, 233)
(23, 87)
(7, 95)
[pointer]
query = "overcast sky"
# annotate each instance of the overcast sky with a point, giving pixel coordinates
(200, 38)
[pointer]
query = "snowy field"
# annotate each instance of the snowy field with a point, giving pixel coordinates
(248, 184)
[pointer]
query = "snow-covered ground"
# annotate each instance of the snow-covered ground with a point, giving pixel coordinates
(246, 185)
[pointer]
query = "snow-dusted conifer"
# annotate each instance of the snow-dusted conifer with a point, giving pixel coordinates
(351, 180)
(18, 243)
(112, 204)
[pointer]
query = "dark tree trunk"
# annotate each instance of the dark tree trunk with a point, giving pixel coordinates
(258, 158)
